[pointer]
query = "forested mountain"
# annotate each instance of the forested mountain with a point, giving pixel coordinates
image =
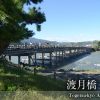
(55, 43)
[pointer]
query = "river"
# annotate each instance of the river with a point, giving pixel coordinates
(89, 62)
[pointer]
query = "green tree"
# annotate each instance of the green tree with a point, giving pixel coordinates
(99, 44)
(14, 19)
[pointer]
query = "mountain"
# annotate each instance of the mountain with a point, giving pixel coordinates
(38, 41)
(33, 40)
(55, 43)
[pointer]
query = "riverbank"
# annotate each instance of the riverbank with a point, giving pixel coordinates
(87, 72)
(15, 78)
(20, 81)
(82, 75)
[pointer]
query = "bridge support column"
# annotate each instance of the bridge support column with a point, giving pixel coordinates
(51, 59)
(70, 53)
(80, 51)
(35, 61)
(56, 59)
(59, 56)
(62, 55)
(9, 58)
(19, 60)
(43, 59)
(76, 52)
(29, 60)
(66, 53)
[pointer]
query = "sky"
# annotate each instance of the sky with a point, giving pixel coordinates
(69, 20)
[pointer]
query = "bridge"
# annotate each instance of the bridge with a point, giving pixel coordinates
(50, 56)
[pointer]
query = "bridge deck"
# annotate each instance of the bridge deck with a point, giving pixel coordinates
(56, 54)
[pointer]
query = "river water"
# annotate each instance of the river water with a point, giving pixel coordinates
(89, 62)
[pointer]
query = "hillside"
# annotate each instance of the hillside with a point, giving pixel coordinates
(55, 43)
(68, 44)
(38, 41)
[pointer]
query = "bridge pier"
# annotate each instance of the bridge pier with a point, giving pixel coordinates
(29, 60)
(35, 58)
(19, 60)
(62, 55)
(77, 51)
(50, 58)
(70, 53)
(56, 59)
(10, 58)
(59, 57)
(65, 54)
(43, 59)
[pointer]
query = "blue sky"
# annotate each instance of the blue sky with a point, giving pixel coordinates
(70, 20)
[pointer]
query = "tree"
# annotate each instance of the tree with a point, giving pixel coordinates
(98, 44)
(14, 19)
